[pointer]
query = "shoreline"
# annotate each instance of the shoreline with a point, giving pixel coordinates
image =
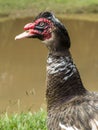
(84, 17)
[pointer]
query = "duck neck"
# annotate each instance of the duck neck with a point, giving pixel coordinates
(63, 79)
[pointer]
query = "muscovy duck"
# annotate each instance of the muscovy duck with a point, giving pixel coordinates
(70, 105)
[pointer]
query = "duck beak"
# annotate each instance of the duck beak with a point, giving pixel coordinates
(30, 32)
(22, 35)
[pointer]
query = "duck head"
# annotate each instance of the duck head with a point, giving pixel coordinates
(48, 29)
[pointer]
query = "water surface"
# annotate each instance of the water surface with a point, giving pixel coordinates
(23, 63)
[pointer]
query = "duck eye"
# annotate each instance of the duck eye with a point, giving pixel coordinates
(41, 24)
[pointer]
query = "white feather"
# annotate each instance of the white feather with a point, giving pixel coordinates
(67, 127)
(94, 124)
(55, 66)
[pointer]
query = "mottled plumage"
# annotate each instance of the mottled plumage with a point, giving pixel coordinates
(69, 105)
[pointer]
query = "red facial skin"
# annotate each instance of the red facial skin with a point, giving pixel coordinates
(36, 30)
(46, 33)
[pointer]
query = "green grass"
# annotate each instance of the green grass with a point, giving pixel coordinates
(24, 121)
(32, 7)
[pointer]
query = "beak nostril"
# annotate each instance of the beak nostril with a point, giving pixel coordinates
(29, 26)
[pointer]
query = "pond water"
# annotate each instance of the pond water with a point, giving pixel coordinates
(23, 63)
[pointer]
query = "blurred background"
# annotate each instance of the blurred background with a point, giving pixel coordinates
(23, 62)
